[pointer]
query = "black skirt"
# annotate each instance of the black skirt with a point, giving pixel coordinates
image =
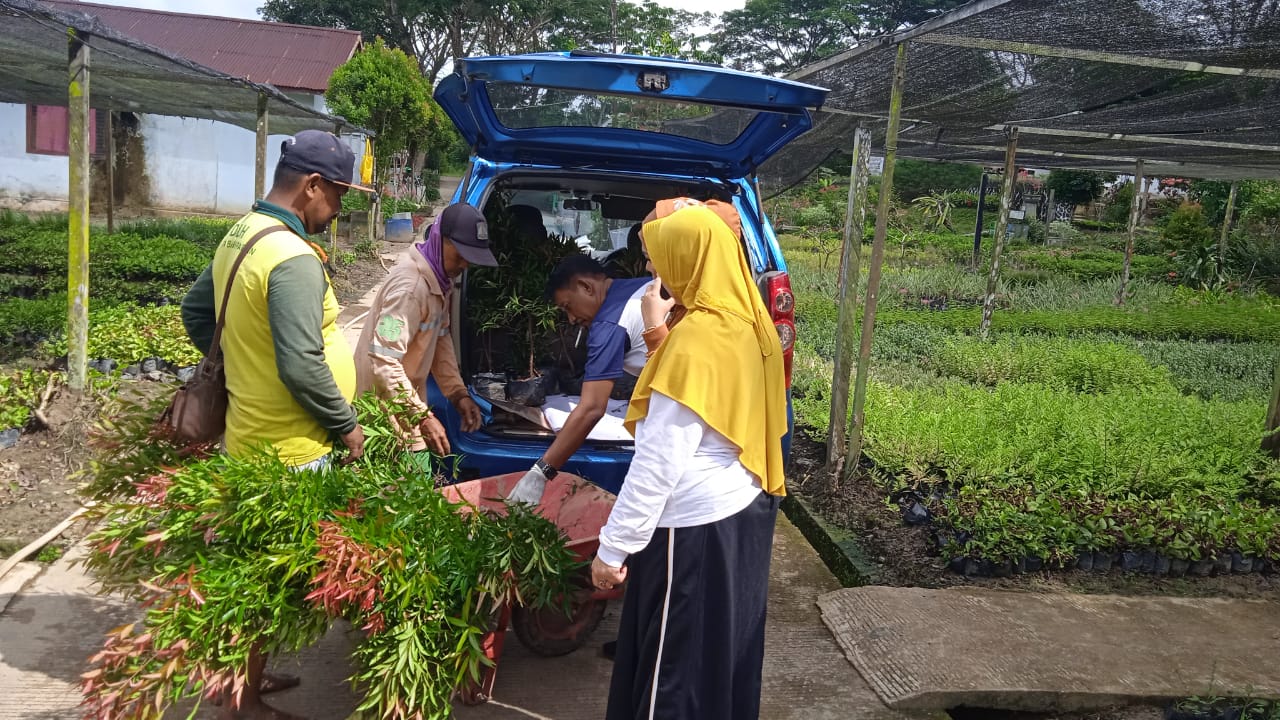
(691, 637)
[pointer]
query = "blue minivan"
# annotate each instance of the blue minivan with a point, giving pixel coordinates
(593, 140)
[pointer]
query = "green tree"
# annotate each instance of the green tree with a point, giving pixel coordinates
(435, 31)
(419, 28)
(778, 36)
(644, 28)
(380, 88)
(885, 16)
(1077, 187)
(1213, 195)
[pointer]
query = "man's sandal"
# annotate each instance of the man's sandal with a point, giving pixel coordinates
(275, 682)
(271, 683)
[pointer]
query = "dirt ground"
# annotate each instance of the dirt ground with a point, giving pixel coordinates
(352, 281)
(37, 486)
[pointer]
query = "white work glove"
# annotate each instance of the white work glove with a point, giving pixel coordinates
(529, 489)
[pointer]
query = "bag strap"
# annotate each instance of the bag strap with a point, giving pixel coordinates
(215, 349)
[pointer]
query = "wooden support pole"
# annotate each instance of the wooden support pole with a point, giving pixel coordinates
(333, 225)
(1002, 229)
(1135, 217)
(855, 219)
(1050, 214)
(1227, 218)
(111, 172)
(977, 229)
(78, 114)
(1271, 436)
(1136, 138)
(260, 152)
(1098, 56)
(877, 260)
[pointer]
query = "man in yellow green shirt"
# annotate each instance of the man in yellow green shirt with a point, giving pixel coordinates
(290, 373)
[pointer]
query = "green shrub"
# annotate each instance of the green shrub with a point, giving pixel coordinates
(19, 394)
(815, 216)
(1065, 233)
(811, 387)
(205, 232)
(129, 334)
(816, 320)
(1252, 257)
(954, 246)
(1098, 225)
(1056, 292)
(142, 265)
(906, 288)
(969, 199)
(1087, 264)
(12, 220)
(1118, 206)
(25, 320)
(122, 255)
(1160, 209)
(1060, 363)
(1186, 227)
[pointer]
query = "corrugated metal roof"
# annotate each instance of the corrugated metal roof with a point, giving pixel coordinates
(295, 57)
(130, 75)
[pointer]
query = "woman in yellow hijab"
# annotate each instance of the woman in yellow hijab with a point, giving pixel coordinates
(694, 520)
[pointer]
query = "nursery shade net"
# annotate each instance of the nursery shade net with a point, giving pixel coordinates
(1190, 86)
(128, 75)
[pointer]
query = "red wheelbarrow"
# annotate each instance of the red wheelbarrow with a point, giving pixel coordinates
(579, 509)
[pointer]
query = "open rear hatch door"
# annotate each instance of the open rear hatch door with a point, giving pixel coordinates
(624, 112)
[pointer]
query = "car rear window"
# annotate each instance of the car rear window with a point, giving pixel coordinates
(520, 107)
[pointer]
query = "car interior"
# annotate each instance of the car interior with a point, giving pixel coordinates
(518, 350)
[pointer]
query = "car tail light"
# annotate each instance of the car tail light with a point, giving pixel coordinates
(782, 308)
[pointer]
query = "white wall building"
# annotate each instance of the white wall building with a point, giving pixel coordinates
(174, 163)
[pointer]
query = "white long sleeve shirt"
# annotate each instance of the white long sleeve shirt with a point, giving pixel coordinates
(684, 474)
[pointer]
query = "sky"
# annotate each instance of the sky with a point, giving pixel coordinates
(249, 8)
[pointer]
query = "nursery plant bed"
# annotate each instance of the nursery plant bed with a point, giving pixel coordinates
(905, 556)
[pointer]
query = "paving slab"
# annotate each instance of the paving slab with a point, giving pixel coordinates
(47, 634)
(933, 649)
(57, 621)
(16, 579)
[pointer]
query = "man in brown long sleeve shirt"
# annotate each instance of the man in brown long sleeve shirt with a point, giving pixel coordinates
(406, 335)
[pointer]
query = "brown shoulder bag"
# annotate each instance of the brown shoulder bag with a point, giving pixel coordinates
(198, 412)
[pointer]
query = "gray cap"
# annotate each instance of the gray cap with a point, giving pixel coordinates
(466, 227)
(317, 151)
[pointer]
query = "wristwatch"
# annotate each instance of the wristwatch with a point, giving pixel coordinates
(545, 468)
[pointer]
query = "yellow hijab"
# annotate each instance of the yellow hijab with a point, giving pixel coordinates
(723, 360)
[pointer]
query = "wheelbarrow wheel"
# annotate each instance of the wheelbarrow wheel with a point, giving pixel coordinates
(550, 632)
